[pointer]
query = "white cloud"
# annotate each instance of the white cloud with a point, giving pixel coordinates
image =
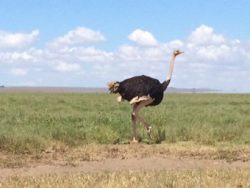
(80, 35)
(128, 52)
(135, 53)
(143, 38)
(205, 46)
(67, 67)
(10, 57)
(17, 40)
(89, 54)
(18, 72)
(176, 44)
(205, 35)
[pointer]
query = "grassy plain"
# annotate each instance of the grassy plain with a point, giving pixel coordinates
(30, 123)
(50, 127)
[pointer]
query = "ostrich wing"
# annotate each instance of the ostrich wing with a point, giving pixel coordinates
(138, 86)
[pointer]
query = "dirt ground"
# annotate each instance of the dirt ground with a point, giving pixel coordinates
(111, 165)
(112, 158)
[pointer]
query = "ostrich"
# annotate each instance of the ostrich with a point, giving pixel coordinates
(142, 91)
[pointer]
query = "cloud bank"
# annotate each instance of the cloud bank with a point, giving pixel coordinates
(17, 40)
(211, 60)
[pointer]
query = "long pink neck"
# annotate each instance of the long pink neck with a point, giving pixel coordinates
(171, 67)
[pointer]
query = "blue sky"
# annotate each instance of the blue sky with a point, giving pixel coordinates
(88, 43)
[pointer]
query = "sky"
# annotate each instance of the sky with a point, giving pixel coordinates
(80, 43)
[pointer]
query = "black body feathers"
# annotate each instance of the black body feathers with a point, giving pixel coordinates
(142, 86)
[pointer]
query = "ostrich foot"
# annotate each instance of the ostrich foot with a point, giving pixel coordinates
(134, 141)
(148, 129)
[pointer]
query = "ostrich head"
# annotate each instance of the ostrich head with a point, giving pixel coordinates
(177, 52)
(113, 87)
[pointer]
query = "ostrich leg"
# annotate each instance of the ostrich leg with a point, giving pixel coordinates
(135, 116)
(145, 124)
(134, 121)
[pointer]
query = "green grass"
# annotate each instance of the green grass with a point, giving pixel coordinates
(29, 123)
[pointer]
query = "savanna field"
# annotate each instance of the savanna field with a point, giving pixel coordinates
(43, 128)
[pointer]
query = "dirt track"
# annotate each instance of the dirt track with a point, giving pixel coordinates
(94, 158)
(112, 165)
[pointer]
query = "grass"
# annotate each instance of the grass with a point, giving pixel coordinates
(69, 128)
(31, 123)
(158, 179)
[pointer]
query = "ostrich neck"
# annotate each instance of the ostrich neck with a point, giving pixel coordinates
(171, 67)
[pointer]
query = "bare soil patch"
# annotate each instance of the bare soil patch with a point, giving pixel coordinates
(61, 160)
(112, 165)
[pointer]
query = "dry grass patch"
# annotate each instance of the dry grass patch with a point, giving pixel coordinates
(139, 179)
